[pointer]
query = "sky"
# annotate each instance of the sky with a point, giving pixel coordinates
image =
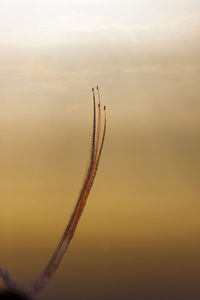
(138, 237)
(46, 22)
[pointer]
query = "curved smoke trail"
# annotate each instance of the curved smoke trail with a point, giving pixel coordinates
(99, 155)
(61, 248)
(93, 173)
(98, 127)
(40, 282)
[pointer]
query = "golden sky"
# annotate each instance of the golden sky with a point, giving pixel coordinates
(139, 234)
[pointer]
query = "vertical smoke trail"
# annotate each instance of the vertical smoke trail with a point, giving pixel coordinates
(96, 159)
(102, 143)
(99, 155)
(54, 262)
(98, 127)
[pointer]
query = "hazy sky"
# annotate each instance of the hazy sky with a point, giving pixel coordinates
(139, 234)
(46, 21)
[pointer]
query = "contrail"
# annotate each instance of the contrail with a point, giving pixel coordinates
(68, 234)
(100, 152)
(98, 126)
(40, 282)
(57, 256)
(91, 178)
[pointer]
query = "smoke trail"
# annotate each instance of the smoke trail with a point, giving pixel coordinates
(54, 262)
(68, 234)
(98, 127)
(99, 155)
(95, 165)
(52, 265)
(86, 192)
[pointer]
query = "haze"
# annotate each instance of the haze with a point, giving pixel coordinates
(139, 234)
